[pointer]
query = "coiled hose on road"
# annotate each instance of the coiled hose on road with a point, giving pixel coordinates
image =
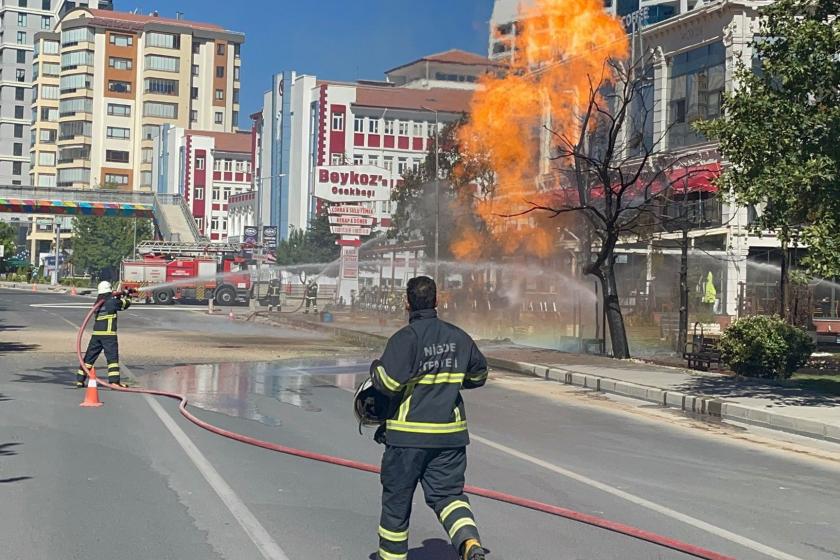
(613, 526)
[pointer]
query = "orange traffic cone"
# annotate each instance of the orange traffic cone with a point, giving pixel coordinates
(73, 291)
(231, 316)
(34, 287)
(91, 393)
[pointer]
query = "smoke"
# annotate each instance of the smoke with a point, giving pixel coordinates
(561, 46)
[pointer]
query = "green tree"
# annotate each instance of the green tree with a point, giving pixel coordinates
(313, 245)
(781, 128)
(101, 243)
(7, 239)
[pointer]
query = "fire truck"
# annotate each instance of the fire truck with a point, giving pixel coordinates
(169, 271)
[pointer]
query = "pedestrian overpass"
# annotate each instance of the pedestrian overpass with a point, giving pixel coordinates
(170, 212)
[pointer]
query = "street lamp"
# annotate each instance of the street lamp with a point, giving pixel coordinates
(437, 192)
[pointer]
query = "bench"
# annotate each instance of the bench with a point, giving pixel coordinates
(703, 350)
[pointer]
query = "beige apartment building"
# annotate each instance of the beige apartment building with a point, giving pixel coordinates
(106, 81)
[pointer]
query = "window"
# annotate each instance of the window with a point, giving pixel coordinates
(46, 158)
(336, 159)
(220, 94)
(162, 63)
(358, 160)
(67, 177)
(415, 164)
(236, 95)
(194, 93)
(220, 49)
(77, 35)
(116, 110)
(23, 3)
(75, 59)
(18, 131)
(20, 75)
(403, 128)
(18, 111)
(117, 179)
(236, 73)
(46, 180)
(68, 84)
(116, 156)
(228, 165)
(359, 124)
(234, 119)
(402, 163)
(389, 126)
(148, 155)
(226, 194)
(215, 194)
(373, 126)
(67, 107)
(163, 40)
(119, 63)
(17, 149)
(19, 93)
(46, 5)
(46, 22)
(418, 129)
(214, 222)
(150, 131)
(199, 195)
(50, 69)
(217, 165)
(17, 168)
(117, 86)
(67, 130)
(47, 136)
(73, 153)
(21, 20)
(160, 86)
(21, 57)
(145, 178)
(338, 121)
(21, 37)
(161, 110)
(50, 92)
(220, 71)
(118, 133)
(696, 87)
(194, 115)
(50, 47)
(220, 118)
(121, 40)
(200, 162)
(195, 69)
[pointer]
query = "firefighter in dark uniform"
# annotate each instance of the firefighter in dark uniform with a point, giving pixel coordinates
(274, 294)
(311, 296)
(423, 369)
(105, 334)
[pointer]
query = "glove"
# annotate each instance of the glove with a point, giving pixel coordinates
(379, 435)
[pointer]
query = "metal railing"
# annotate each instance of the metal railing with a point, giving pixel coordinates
(76, 195)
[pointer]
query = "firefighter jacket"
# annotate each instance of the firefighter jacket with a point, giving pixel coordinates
(312, 290)
(274, 290)
(423, 369)
(105, 320)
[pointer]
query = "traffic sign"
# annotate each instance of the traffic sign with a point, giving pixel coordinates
(351, 210)
(351, 220)
(350, 230)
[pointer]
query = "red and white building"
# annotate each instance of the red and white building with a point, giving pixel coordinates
(308, 122)
(207, 169)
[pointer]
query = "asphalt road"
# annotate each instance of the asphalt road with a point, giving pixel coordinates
(135, 480)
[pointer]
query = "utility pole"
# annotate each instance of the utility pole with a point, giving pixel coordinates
(682, 338)
(57, 231)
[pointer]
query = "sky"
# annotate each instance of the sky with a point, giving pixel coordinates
(332, 39)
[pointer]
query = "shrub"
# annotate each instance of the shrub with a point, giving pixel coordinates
(766, 347)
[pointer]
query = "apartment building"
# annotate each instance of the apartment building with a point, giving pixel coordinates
(20, 21)
(107, 81)
(307, 123)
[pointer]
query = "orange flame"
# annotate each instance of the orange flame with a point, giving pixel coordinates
(560, 45)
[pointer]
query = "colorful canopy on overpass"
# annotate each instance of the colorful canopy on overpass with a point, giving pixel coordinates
(76, 207)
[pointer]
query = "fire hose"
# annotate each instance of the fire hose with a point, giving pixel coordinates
(613, 526)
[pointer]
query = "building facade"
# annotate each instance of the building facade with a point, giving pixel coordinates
(208, 169)
(307, 122)
(107, 81)
(20, 21)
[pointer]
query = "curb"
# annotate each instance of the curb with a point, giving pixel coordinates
(704, 406)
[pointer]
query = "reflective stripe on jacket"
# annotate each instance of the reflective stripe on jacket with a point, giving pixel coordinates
(424, 367)
(105, 320)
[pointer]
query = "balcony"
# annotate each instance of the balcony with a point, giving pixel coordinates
(700, 213)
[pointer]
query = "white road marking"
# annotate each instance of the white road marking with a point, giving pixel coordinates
(133, 307)
(694, 522)
(268, 548)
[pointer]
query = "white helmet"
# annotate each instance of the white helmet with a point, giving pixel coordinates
(104, 287)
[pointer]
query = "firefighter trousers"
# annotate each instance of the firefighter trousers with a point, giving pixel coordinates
(97, 345)
(313, 302)
(441, 474)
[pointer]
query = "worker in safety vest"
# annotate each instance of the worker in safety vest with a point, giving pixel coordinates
(311, 296)
(423, 369)
(104, 336)
(274, 292)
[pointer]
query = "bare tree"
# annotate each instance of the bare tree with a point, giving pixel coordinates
(613, 179)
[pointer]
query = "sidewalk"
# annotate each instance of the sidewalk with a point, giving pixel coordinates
(787, 409)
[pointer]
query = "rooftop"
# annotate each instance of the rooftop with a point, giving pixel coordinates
(452, 56)
(226, 141)
(436, 99)
(139, 19)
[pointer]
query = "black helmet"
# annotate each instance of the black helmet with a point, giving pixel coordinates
(370, 406)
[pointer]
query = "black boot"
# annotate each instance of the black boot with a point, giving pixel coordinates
(473, 550)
